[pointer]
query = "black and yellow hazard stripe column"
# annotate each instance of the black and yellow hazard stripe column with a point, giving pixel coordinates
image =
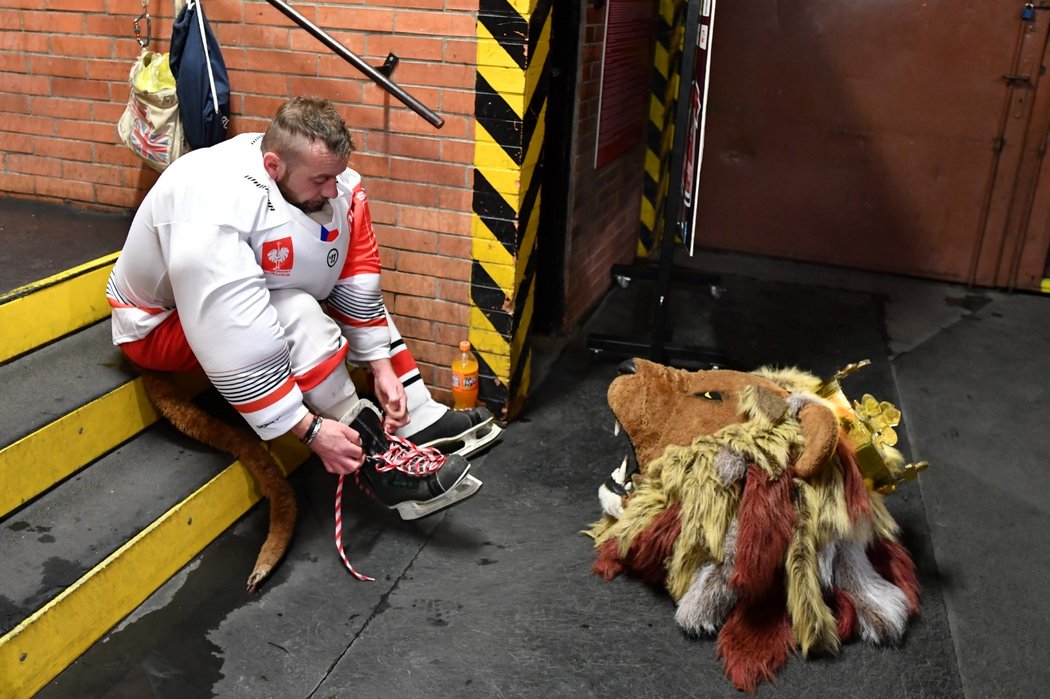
(510, 106)
(660, 127)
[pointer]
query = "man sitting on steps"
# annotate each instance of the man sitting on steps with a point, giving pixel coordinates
(255, 260)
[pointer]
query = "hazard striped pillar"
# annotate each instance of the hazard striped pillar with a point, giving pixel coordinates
(660, 127)
(510, 107)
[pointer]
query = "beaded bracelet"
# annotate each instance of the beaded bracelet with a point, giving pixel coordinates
(312, 431)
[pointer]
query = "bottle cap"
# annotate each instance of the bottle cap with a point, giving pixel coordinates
(464, 346)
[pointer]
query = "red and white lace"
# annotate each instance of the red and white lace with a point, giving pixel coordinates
(401, 455)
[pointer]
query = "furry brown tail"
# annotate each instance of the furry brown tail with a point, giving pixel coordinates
(186, 417)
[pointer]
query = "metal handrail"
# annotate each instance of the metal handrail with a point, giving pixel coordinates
(356, 61)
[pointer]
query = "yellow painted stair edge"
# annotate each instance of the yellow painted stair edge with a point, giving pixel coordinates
(38, 649)
(43, 311)
(41, 459)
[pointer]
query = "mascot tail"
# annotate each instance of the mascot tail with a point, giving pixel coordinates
(197, 424)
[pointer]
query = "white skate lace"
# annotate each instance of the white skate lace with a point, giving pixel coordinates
(401, 455)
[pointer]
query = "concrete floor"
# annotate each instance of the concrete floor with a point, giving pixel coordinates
(495, 597)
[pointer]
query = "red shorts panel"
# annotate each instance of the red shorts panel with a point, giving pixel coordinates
(164, 349)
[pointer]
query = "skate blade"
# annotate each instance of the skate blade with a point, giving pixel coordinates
(467, 486)
(468, 442)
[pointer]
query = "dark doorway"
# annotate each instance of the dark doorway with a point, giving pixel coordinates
(557, 164)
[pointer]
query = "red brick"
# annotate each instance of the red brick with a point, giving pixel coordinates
(220, 11)
(435, 74)
(90, 89)
(25, 84)
(90, 172)
(457, 292)
(245, 82)
(34, 165)
(430, 219)
(63, 189)
(431, 173)
(447, 24)
(107, 111)
(414, 328)
(457, 101)
(444, 267)
(12, 63)
(111, 70)
(11, 20)
(13, 103)
(401, 239)
(86, 130)
(461, 51)
(16, 142)
(23, 41)
(382, 213)
(417, 48)
(12, 183)
(455, 246)
(337, 91)
(457, 152)
(356, 19)
(26, 123)
(118, 26)
(61, 148)
(53, 22)
(73, 5)
(261, 105)
(113, 154)
(456, 199)
(403, 192)
(280, 62)
(87, 46)
(370, 166)
(63, 108)
(404, 120)
(117, 196)
(410, 284)
(450, 335)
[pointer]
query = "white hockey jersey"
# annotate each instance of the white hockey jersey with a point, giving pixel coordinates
(211, 238)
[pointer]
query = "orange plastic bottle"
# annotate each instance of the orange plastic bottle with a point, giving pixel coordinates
(464, 378)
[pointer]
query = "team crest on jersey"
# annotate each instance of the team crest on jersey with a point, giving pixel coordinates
(278, 257)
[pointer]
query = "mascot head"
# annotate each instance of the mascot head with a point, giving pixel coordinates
(747, 502)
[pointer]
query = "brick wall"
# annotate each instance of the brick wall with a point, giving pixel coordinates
(63, 85)
(604, 210)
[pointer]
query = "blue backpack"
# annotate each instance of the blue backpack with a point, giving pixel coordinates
(201, 81)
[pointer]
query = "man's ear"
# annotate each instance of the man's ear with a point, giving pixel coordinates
(273, 164)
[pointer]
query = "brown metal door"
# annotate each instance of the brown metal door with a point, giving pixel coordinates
(882, 136)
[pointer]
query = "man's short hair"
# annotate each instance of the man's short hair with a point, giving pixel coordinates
(303, 120)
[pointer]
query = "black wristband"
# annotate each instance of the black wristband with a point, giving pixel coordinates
(312, 431)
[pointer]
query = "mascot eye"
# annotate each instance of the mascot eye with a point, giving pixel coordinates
(709, 395)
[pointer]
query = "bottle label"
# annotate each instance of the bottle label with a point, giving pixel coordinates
(464, 381)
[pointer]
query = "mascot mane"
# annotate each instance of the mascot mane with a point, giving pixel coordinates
(761, 527)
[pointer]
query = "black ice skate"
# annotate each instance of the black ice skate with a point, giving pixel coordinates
(464, 432)
(415, 481)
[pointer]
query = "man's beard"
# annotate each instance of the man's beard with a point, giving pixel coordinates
(307, 207)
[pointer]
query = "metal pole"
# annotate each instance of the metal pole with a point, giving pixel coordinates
(357, 62)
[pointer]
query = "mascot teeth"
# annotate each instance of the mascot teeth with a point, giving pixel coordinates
(616, 428)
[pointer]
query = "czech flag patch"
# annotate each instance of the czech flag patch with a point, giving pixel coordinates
(328, 236)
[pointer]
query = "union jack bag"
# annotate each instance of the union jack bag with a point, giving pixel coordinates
(150, 125)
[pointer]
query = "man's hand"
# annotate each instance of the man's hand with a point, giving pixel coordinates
(338, 446)
(391, 395)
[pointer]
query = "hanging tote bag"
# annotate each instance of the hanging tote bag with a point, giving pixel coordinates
(201, 80)
(151, 125)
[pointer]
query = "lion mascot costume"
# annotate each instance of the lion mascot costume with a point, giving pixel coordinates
(757, 503)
